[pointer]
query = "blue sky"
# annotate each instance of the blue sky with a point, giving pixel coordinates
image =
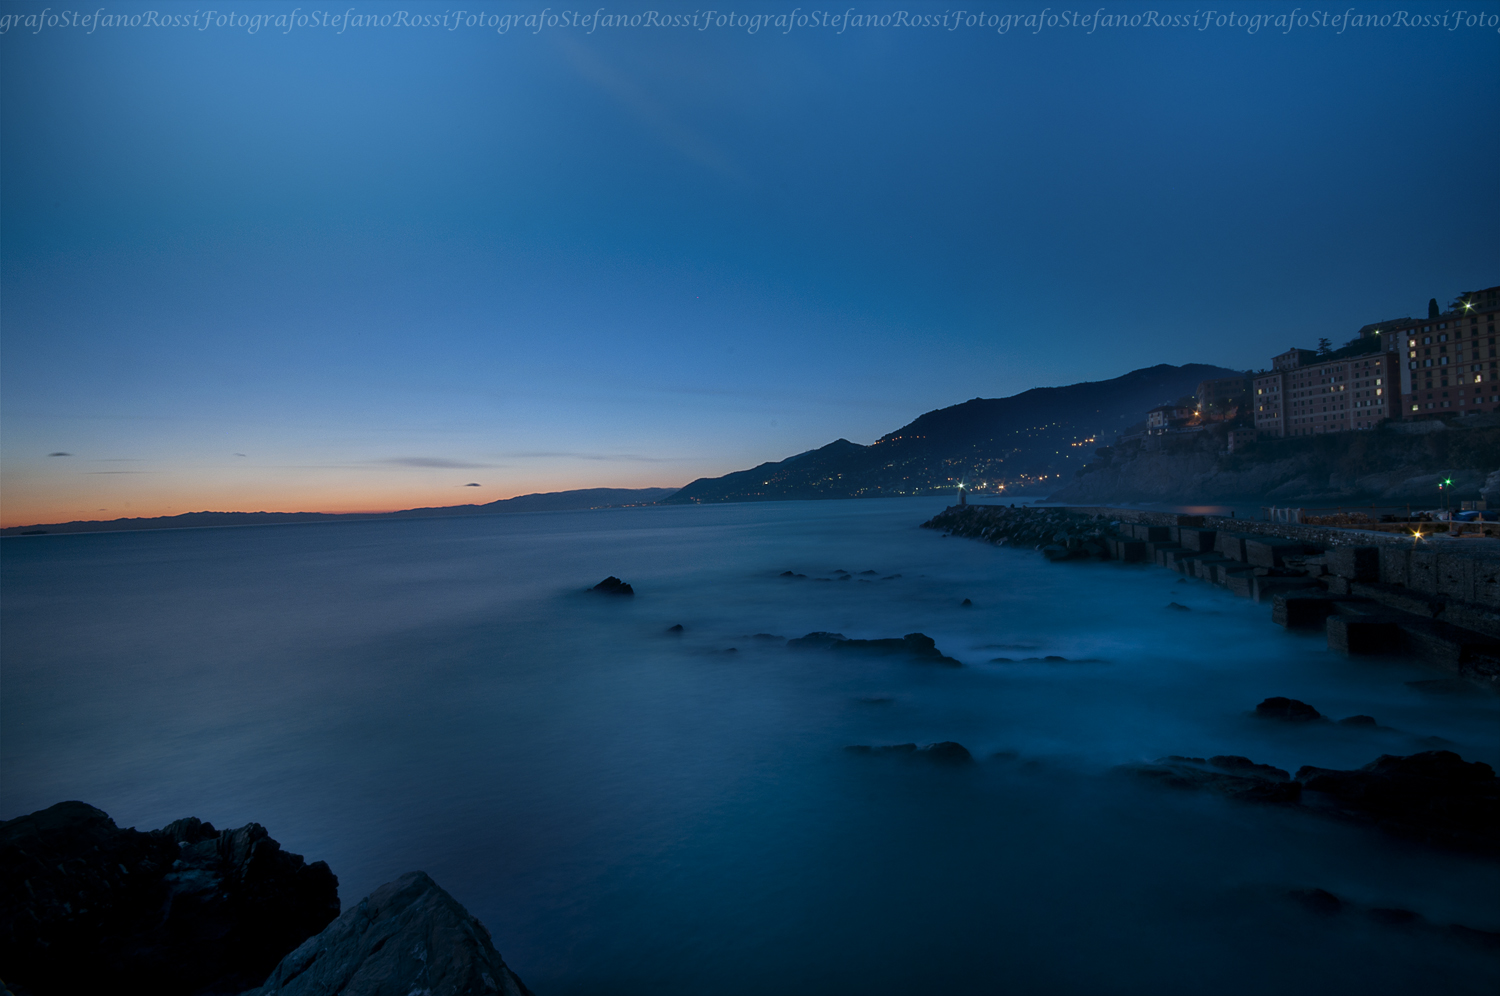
(385, 263)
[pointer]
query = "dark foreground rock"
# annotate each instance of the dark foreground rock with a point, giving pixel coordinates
(916, 646)
(1435, 796)
(945, 752)
(407, 937)
(86, 907)
(612, 586)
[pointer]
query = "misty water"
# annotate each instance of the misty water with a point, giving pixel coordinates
(630, 811)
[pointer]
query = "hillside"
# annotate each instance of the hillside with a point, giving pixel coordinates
(1398, 464)
(995, 444)
(551, 501)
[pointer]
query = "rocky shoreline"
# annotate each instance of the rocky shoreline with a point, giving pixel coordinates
(1371, 593)
(1443, 607)
(88, 907)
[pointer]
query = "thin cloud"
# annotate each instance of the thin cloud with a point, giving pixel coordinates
(59, 454)
(471, 485)
(573, 455)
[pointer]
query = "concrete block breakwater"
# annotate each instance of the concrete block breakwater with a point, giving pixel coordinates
(1369, 593)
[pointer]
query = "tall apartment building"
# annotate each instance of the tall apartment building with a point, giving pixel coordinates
(1308, 393)
(1447, 363)
(1451, 362)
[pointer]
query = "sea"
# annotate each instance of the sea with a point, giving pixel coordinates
(634, 810)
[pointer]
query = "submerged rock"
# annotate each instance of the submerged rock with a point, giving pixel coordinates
(407, 937)
(1317, 901)
(1229, 775)
(917, 646)
(612, 586)
(1287, 710)
(90, 908)
(1435, 796)
(945, 752)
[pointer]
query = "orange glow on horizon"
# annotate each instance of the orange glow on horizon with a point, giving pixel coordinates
(35, 503)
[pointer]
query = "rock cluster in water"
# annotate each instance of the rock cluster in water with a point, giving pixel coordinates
(1435, 797)
(612, 586)
(946, 752)
(916, 646)
(1287, 710)
(88, 907)
(1058, 533)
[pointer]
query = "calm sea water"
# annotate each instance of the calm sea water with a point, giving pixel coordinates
(635, 812)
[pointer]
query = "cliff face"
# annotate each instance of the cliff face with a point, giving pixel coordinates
(1384, 466)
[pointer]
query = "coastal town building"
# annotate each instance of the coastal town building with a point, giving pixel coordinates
(1451, 362)
(1310, 393)
(1160, 418)
(1405, 368)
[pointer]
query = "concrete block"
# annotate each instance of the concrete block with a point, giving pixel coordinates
(1156, 552)
(1231, 568)
(1455, 576)
(1152, 534)
(1264, 589)
(1337, 585)
(1199, 540)
(1421, 571)
(1195, 521)
(1483, 619)
(1399, 598)
(1354, 563)
(1487, 582)
(1393, 564)
(1231, 545)
(1241, 584)
(1352, 635)
(1205, 565)
(1447, 646)
(1271, 552)
(1303, 609)
(1130, 551)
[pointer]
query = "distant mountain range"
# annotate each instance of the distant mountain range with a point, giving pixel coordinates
(552, 501)
(1036, 438)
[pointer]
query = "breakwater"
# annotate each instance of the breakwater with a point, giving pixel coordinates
(1371, 593)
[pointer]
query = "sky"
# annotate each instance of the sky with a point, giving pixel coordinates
(324, 264)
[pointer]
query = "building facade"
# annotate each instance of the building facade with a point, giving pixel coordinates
(1309, 393)
(1404, 368)
(1451, 363)
(1160, 418)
